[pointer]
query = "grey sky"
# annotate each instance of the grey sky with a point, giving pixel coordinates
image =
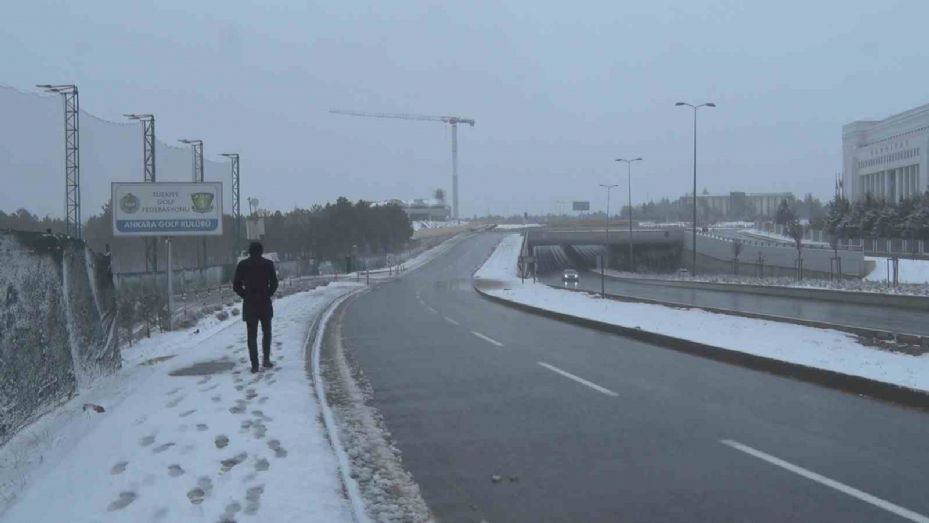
(558, 89)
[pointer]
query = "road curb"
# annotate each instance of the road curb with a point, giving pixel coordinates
(916, 343)
(312, 347)
(835, 380)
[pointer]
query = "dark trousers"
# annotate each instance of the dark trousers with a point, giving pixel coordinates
(251, 326)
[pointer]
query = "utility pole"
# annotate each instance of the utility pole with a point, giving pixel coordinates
(605, 259)
(197, 147)
(236, 211)
(629, 172)
(72, 114)
(148, 175)
(694, 239)
(451, 120)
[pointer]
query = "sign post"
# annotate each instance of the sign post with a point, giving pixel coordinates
(168, 209)
(170, 275)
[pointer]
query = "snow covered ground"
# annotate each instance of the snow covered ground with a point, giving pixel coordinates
(826, 349)
(427, 224)
(188, 434)
(911, 271)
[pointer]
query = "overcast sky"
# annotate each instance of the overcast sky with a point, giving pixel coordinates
(558, 89)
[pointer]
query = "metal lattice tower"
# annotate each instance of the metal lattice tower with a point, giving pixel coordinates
(197, 146)
(236, 209)
(148, 175)
(72, 113)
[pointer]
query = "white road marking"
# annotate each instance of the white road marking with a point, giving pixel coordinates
(433, 311)
(453, 322)
(578, 379)
(488, 339)
(841, 487)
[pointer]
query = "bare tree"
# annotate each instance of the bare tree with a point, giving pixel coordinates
(736, 251)
(439, 194)
(795, 231)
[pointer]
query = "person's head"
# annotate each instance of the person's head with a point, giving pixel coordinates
(255, 249)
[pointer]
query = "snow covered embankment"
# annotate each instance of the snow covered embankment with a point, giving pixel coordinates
(820, 348)
(188, 434)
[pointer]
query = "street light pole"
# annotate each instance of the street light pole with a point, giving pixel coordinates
(236, 211)
(605, 259)
(148, 175)
(693, 246)
(197, 147)
(72, 114)
(629, 173)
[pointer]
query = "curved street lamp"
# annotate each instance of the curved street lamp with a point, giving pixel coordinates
(693, 246)
(629, 163)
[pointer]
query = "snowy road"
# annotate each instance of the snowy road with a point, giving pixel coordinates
(189, 434)
(507, 416)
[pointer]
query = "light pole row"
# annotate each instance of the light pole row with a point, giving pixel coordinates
(72, 112)
(629, 162)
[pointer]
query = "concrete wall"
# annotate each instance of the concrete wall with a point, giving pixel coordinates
(57, 324)
(776, 256)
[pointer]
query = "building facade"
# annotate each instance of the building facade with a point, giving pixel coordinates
(422, 209)
(740, 204)
(886, 158)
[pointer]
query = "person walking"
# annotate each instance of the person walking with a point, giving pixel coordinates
(255, 281)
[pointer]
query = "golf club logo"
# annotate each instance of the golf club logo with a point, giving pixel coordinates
(130, 203)
(202, 202)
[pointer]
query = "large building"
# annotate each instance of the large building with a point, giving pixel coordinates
(740, 204)
(886, 158)
(422, 209)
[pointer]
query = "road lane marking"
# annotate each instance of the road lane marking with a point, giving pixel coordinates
(578, 379)
(433, 311)
(488, 339)
(453, 322)
(841, 487)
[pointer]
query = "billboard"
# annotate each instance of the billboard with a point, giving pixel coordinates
(580, 206)
(167, 208)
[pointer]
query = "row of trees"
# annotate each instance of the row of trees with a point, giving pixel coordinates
(876, 218)
(327, 232)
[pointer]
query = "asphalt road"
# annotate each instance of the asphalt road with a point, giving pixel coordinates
(597, 427)
(906, 321)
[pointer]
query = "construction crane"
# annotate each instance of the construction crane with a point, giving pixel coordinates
(451, 120)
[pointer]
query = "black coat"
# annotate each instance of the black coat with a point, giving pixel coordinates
(255, 281)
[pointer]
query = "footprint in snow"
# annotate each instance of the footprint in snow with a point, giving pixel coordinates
(124, 499)
(175, 471)
(253, 499)
(173, 403)
(262, 465)
(229, 463)
(217, 398)
(147, 440)
(161, 448)
(221, 441)
(279, 450)
(202, 427)
(187, 413)
(119, 468)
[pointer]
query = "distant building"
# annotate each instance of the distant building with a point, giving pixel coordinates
(739, 204)
(423, 209)
(886, 158)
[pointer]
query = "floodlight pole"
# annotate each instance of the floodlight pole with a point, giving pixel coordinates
(72, 115)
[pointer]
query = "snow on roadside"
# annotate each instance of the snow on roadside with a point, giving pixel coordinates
(822, 348)
(511, 226)
(216, 444)
(910, 271)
